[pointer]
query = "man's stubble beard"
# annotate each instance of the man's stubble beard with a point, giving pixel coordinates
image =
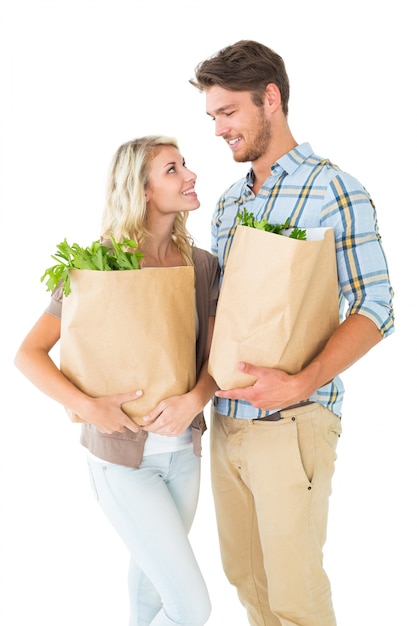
(259, 144)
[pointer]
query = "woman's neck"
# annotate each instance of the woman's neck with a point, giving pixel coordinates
(161, 253)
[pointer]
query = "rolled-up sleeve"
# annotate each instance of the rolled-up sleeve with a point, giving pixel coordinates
(362, 265)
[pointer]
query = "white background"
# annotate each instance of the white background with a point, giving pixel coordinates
(79, 78)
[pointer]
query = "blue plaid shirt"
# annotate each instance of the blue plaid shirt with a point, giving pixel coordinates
(313, 193)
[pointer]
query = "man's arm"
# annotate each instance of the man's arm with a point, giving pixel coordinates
(275, 389)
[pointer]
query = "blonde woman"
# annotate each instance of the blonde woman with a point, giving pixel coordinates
(146, 479)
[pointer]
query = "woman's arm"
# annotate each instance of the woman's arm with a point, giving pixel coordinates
(34, 361)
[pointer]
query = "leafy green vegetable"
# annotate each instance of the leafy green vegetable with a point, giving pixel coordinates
(247, 219)
(95, 257)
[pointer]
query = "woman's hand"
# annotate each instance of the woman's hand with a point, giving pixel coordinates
(106, 412)
(172, 416)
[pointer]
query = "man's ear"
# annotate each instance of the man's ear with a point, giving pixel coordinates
(272, 96)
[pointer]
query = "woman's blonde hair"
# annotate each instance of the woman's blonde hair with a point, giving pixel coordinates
(124, 214)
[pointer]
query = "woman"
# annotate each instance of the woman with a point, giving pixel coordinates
(150, 488)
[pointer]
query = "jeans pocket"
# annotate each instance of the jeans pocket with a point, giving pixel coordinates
(306, 446)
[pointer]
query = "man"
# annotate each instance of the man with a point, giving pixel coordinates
(273, 443)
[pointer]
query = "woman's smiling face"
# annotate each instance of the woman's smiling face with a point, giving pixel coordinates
(171, 186)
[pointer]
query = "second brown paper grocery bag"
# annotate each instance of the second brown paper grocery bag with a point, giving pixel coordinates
(278, 303)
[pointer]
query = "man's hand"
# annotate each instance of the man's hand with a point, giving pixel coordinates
(273, 389)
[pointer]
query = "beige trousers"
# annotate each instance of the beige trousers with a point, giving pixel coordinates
(271, 486)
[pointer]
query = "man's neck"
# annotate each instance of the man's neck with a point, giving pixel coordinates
(262, 166)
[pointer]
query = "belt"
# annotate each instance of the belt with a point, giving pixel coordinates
(275, 417)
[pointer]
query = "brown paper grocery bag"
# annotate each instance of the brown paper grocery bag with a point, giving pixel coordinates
(127, 330)
(278, 303)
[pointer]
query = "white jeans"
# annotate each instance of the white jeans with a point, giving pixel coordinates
(152, 509)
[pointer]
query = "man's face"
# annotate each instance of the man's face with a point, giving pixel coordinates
(240, 122)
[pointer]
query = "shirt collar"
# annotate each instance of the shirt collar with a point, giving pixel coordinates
(288, 163)
(294, 158)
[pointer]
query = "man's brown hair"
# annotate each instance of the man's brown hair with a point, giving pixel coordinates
(244, 66)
